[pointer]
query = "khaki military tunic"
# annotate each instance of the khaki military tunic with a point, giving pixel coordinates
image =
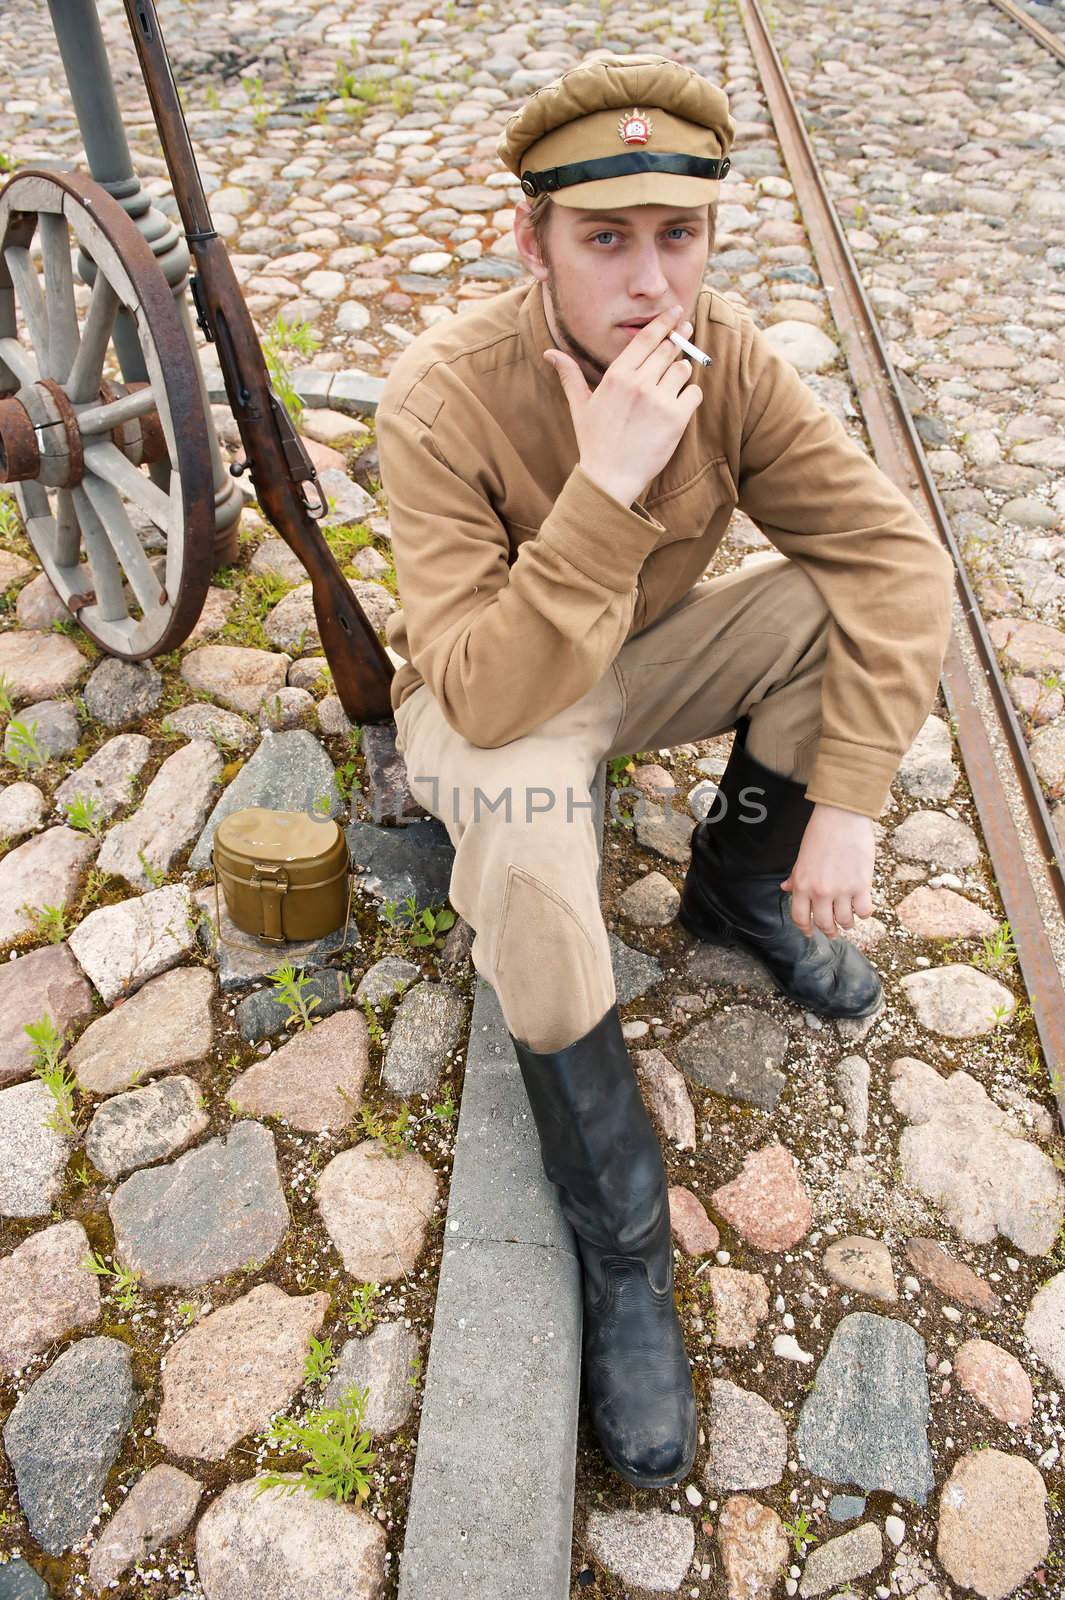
(545, 626)
(520, 579)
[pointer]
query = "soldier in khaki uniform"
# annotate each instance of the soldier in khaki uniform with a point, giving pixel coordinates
(559, 476)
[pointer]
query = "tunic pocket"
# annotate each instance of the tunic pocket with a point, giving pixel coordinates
(700, 505)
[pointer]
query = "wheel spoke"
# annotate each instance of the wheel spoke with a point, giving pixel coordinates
(68, 532)
(102, 419)
(120, 531)
(106, 572)
(108, 463)
(59, 296)
(84, 382)
(30, 296)
(36, 511)
(19, 361)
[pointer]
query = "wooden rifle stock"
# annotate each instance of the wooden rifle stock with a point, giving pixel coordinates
(276, 457)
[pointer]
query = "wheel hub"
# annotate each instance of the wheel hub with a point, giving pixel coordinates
(40, 437)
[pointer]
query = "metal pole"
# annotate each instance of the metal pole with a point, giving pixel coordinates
(92, 90)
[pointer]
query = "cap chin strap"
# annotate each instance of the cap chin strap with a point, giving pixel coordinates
(622, 166)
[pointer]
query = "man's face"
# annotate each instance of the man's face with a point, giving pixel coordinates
(605, 273)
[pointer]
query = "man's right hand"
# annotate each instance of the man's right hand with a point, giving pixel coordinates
(628, 427)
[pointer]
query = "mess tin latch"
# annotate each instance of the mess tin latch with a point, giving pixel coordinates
(271, 882)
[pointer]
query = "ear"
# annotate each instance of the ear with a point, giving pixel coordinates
(527, 242)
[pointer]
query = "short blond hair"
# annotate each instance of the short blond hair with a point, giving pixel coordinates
(539, 211)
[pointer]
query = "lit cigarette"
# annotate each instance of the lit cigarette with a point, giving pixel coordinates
(691, 350)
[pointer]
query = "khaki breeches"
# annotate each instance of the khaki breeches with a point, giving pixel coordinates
(520, 815)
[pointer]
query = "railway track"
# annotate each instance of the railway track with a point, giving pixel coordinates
(1043, 36)
(1025, 851)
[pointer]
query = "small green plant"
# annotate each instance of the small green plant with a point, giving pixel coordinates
(423, 927)
(47, 1041)
(999, 951)
(278, 339)
(427, 925)
(344, 780)
(415, 1372)
(361, 92)
(83, 812)
(357, 1313)
(618, 769)
(49, 922)
(188, 1311)
(373, 1022)
(82, 1174)
(253, 88)
(155, 875)
(446, 1110)
(125, 1288)
(290, 991)
(21, 745)
(393, 1133)
(319, 1361)
(96, 881)
(799, 1533)
(10, 521)
(6, 691)
(338, 1447)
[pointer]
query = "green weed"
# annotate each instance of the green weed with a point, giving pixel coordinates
(280, 338)
(289, 990)
(47, 1041)
(49, 922)
(21, 746)
(357, 1314)
(83, 813)
(799, 1533)
(338, 1447)
(125, 1288)
(319, 1361)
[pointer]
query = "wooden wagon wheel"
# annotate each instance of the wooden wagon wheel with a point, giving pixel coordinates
(76, 444)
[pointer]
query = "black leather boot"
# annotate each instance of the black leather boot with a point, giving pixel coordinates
(743, 848)
(599, 1148)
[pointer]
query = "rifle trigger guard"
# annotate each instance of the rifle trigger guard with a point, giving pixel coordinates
(319, 511)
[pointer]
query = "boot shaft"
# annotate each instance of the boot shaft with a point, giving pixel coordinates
(757, 818)
(596, 1139)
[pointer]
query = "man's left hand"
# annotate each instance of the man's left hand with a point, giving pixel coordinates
(832, 877)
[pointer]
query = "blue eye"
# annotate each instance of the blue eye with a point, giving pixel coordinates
(610, 232)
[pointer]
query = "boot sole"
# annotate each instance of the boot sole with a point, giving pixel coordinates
(716, 932)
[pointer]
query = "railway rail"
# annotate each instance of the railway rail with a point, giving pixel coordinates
(1043, 36)
(1026, 854)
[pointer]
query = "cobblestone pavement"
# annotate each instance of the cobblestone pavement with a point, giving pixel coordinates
(868, 1217)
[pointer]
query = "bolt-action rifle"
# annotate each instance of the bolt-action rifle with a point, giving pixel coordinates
(274, 453)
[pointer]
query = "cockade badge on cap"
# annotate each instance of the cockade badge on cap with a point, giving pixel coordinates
(635, 127)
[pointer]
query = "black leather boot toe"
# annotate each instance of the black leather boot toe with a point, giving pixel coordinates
(599, 1148)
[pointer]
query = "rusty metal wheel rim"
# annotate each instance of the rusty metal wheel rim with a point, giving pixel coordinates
(91, 518)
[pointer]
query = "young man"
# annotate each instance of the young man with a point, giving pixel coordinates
(559, 476)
